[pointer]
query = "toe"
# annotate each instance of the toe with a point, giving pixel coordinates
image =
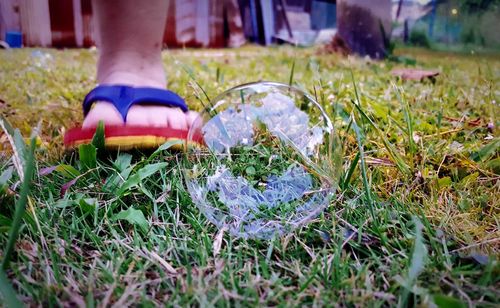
(138, 116)
(157, 116)
(176, 119)
(191, 117)
(102, 111)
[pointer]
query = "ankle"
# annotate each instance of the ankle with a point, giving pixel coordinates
(131, 69)
(132, 78)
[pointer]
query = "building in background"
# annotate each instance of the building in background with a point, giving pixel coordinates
(448, 23)
(363, 26)
(69, 23)
(298, 22)
(190, 23)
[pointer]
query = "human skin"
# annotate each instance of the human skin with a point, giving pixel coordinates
(130, 35)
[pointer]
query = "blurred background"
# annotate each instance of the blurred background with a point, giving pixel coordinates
(365, 27)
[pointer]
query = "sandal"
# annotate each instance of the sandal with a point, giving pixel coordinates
(126, 137)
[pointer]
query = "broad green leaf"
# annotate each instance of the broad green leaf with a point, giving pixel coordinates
(115, 180)
(419, 254)
(64, 203)
(67, 171)
(444, 182)
(88, 155)
(379, 110)
(17, 143)
(494, 165)
(5, 224)
(134, 217)
(250, 170)
(140, 175)
(123, 161)
(471, 178)
(5, 221)
(87, 204)
(98, 141)
(487, 151)
(20, 145)
(9, 296)
(123, 164)
(445, 301)
(417, 264)
(167, 145)
(6, 176)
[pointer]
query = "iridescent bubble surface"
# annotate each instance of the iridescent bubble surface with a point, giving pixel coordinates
(270, 163)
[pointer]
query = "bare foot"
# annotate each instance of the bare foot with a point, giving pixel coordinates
(140, 75)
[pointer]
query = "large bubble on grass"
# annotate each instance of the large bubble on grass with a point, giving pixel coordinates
(270, 164)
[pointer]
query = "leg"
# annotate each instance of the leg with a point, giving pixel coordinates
(131, 34)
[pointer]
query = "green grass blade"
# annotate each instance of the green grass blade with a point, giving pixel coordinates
(362, 165)
(292, 71)
(99, 139)
(17, 143)
(408, 119)
(395, 156)
(167, 145)
(417, 264)
(190, 73)
(140, 175)
(9, 295)
(348, 176)
(356, 94)
(486, 151)
(20, 205)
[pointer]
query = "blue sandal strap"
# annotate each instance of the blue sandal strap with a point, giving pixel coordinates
(123, 97)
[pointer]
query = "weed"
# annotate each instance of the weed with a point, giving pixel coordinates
(415, 222)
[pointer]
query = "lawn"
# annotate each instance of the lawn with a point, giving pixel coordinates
(415, 220)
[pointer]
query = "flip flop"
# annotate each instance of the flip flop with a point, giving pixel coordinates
(125, 137)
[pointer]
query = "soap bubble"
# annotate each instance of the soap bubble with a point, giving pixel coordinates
(270, 162)
(42, 60)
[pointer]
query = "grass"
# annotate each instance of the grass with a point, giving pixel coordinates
(416, 220)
